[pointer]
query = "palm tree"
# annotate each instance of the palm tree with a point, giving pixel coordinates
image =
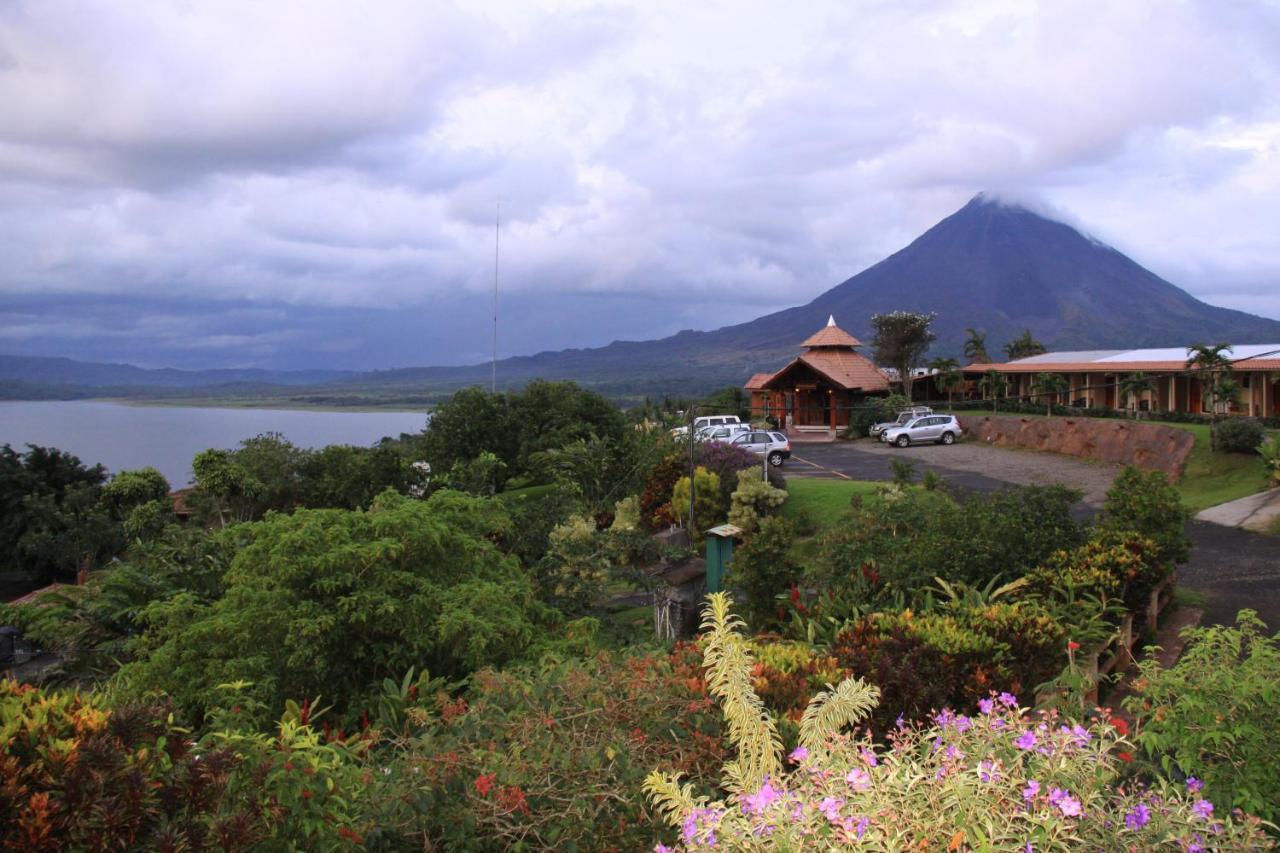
(1211, 367)
(993, 382)
(1049, 386)
(947, 376)
(1134, 386)
(1023, 346)
(975, 347)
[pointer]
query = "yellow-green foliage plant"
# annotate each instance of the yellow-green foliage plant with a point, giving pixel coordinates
(1270, 451)
(753, 498)
(998, 780)
(708, 511)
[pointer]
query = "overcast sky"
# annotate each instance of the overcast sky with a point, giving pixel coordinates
(300, 184)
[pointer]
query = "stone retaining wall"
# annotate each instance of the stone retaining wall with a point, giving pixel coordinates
(1151, 446)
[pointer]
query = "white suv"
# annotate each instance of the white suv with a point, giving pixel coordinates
(944, 429)
(773, 446)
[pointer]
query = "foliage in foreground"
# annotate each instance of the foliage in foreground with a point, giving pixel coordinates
(1000, 780)
(1216, 713)
(331, 601)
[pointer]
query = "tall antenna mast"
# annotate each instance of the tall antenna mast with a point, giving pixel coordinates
(497, 232)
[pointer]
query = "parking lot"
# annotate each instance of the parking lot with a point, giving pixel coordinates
(1233, 568)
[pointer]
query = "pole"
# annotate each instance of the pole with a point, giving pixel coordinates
(497, 235)
(693, 413)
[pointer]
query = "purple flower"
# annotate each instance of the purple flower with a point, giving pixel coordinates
(690, 827)
(1068, 804)
(1194, 785)
(899, 723)
(661, 848)
(1027, 740)
(1202, 809)
(1138, 817)
(799, 754)
(987, 771)
(1033, 788)
(759, 801)
(830, 808)
(861, 827)
(954, 754)
(870, 757)
(858, 779)
(943, 718)
(986, 706)
(1008, 700)
(963, 724)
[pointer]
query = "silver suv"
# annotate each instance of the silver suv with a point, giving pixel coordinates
(904, 417)
(944, 429)
(773, 446)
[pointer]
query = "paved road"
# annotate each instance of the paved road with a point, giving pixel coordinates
(1233, 568)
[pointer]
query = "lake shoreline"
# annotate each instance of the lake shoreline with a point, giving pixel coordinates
(257, 405)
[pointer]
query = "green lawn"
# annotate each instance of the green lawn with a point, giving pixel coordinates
(823, 501)
(1213, 478)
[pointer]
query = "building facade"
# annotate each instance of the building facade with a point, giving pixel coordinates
(816, 390)
(1096, 379)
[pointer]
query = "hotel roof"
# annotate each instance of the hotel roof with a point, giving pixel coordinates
(831, 335)
(1242, 356)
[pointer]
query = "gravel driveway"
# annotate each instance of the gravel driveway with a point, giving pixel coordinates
(1234, 568)
(970, 464)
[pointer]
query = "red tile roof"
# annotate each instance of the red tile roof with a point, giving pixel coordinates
(30, 598)
(758, 381)
(846, 368)
(831, 336)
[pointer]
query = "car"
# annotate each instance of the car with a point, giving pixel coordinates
(904, 417)
(723, 433)
(773, 446)
(943, 429)
(705, 421)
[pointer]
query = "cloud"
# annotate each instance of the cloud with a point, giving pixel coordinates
(660, 165)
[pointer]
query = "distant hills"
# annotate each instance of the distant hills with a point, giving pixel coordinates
(991, 265)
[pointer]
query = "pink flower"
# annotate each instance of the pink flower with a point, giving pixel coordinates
(858, 779)
(799, 754)
(870, 757)
(759, 801)
(1033, 788)
(830, 808)
(1008, 700)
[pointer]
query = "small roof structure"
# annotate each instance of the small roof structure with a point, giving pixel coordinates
(831, 335)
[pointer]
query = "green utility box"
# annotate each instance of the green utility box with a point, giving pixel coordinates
(719, 553)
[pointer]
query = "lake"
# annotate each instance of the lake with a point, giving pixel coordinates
(167, 437)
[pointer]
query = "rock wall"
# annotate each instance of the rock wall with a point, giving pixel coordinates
(1158, 448)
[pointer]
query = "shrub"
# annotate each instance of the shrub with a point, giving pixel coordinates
(550, 758)
(77, 775)
(725, 461)
(1215, 714)
(655, 496)
(1144, 502)
(762, 567)
(1270, 451)
(1240, 435)
(1113, 564)
(753, 499)
(925, 661)
(872, 411)
(708, 508)
(484, 475)
(925, 534)
(1000, 780)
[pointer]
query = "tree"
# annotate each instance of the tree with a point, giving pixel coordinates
(224, 487)
(331, 601)
(948, 377)
(1023, 346)
(994, 385)
(901, 339)
(1134, 386)
(1049, 386)
(50, 518)
(975, 347)
(1212, 367)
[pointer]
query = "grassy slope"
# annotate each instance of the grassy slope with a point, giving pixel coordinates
(1213, 478)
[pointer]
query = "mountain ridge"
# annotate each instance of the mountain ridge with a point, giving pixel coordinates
(991, 265)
